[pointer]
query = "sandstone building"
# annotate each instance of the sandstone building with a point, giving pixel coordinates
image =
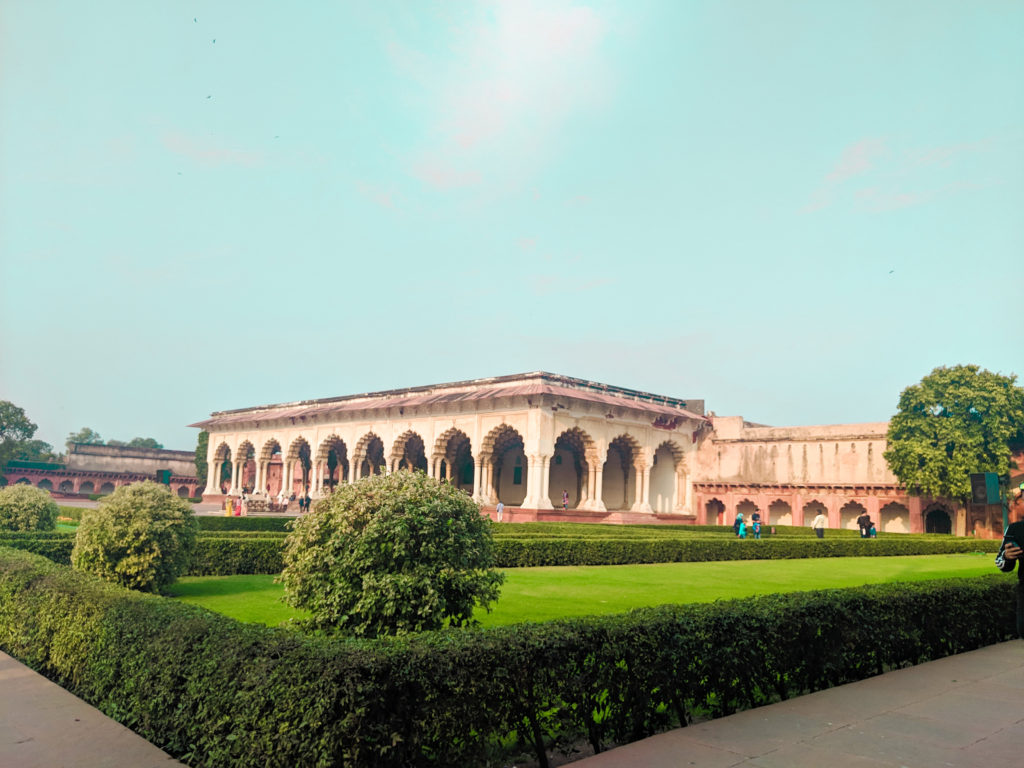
(613, 454)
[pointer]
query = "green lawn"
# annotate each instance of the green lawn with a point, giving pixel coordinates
(540, 594)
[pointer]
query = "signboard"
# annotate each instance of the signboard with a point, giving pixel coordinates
(985, 488)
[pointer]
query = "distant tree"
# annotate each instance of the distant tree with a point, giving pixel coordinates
(84, 435)
(24, 508)
(117, 443)
(202, 446)
(15, 430)
(141, 536)
(391, 554)
(957, 421)
(35, 450)
(144, 442)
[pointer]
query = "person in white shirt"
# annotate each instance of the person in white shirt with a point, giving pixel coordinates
(819, 524)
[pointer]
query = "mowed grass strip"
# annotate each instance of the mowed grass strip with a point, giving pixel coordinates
(542, 594)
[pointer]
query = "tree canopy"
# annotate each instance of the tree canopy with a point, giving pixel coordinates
(202, 445)
(84, 435)
(956, 421)
(391, 554)
(15, 430)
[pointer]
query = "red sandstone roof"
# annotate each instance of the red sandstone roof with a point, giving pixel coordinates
(517, 386)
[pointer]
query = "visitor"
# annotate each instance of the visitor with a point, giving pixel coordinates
(737, 523)
(1009, 553)
(741, 530)
(755, 525)
(864, 523)
(872, 534)
(500, 509)
(309, 502)
(819, 524)
(565, 499)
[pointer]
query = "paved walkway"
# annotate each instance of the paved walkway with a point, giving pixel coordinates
(963, 711)
(44, 726)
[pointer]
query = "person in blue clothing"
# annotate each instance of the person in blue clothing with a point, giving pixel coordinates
(741, 530)
(737, 523)
(1009, 553)
(755, 524)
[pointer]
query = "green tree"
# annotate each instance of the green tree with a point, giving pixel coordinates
(957, 421)
(117, 443)
(35, 450)
(391, 554)
(202, 469)
(15, 430)
(144, 442)
(24, 508)
(141, 536)
(84, 435)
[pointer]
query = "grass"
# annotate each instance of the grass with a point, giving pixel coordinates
(541, 594)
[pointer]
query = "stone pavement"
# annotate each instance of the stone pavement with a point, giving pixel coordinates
(964, 711)
(44, 726)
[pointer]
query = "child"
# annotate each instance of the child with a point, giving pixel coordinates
(757, 529)
(742, 530)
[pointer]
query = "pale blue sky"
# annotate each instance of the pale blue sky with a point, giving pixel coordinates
(789, 209)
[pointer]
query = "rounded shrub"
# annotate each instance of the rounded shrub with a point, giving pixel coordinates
(391, 554)
(141, 536)
(24, 508)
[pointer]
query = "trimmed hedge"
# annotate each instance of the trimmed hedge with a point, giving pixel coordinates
(224, 523)
(215, 692)
(230, 552)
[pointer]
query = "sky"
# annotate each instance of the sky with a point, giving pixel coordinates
(789, 209)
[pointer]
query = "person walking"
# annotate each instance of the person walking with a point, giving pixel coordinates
(819, 524)
(565, 499)
(1010, 551)
(865, 525)
(500, 509)
(737, 523)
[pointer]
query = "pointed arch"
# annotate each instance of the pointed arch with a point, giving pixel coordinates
(269, 448)
(455, 450)
(780, 512)
(408, 452)
(369, 455)
(849, 513)
(668, 477)
(624, 453)
(503, 456)
(332, 457)
(574, 457)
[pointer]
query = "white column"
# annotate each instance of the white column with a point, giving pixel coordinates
(236, 471)
(477, 471)
(211, 478)
(647, 488)
(597, 504)
(545, 481)
(353, 468)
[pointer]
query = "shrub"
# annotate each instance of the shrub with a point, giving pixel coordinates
(391, 554)
(141, 536)
(215, 692)
(24, 508)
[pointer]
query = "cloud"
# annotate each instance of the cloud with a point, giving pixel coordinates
(208, 152)
(516, 71)
(875, 176)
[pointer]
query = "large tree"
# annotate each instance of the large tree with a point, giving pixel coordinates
(84, 435)
(957, 421)
(144, 442)
(15, 431)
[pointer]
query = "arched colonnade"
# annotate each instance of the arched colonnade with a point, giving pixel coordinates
(891, 509)
(625, 471)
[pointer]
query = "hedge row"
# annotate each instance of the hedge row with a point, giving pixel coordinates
(215, 692)
(226, 553)
(224, 523)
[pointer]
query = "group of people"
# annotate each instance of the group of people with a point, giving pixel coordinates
(741, 527)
